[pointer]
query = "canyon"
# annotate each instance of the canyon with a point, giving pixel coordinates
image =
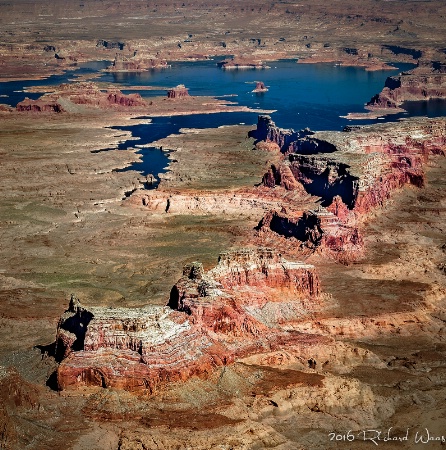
(248, 354)
(277, 285)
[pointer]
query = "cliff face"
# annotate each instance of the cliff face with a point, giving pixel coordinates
(320, 229)
(268, 131)
(356, 172)
(423, 83)
(178, 92)
(358, 162)
(234, 310)
(325, 178)
(39, 106)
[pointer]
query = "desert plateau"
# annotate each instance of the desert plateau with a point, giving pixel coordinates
(222, 225)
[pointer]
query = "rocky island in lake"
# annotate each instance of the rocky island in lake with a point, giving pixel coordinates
(195, 259)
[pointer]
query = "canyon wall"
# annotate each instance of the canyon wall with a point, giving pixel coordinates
(352, 172)
(425, 82)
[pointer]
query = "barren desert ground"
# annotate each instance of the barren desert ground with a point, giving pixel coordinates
(270, 287)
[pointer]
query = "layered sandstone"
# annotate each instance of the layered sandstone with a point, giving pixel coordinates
(41, 105)
(318, 229)
(284, 139)
(44, 244)
(69, 97)
(252, 201)
(357, 163)
(427, 81)
(239, 308)
(352, 172)
(178, 92)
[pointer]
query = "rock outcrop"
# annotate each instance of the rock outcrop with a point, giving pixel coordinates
(69, 96)
(40, 105)
(242, 63)
(134, 63)
(288, 140)
(317, 229)
(205, 202)
(239, 308)
(110, 44)
(178, 92)
(425, 82)
(358, 162)
(352, 172)
(260, 87)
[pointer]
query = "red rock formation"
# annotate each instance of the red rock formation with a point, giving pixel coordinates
(66, 96)
(250, 201)
(123, 63)
(118, 98)
(268, 132)
(356, 164)
(39, 106)
(281, 176)
(234, 310)
(318, 229)
(425, 82)
(260, 87)
(352, 172)
(178, 92)
(340, 209)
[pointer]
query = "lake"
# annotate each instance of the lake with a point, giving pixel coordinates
(303, 95)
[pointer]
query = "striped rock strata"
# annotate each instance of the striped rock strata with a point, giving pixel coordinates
(353, 172)
(66, 97)
(239, 308)
(427, 81)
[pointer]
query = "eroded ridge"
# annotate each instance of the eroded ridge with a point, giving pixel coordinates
(239, 308)
(71, 97)
(353, 172)
(427, 81)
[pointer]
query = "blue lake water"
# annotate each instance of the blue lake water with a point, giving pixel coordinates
(13, 90)
(303, 95)
(154, 160)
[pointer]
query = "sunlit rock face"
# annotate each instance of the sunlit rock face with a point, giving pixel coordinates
(213, 317)
(352, 172)
(425, 82)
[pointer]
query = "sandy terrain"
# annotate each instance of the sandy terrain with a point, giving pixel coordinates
(70, 223)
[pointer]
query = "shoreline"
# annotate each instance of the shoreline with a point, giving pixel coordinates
(268, 58)
(372, 66)
(213, 111)
(373, 113)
